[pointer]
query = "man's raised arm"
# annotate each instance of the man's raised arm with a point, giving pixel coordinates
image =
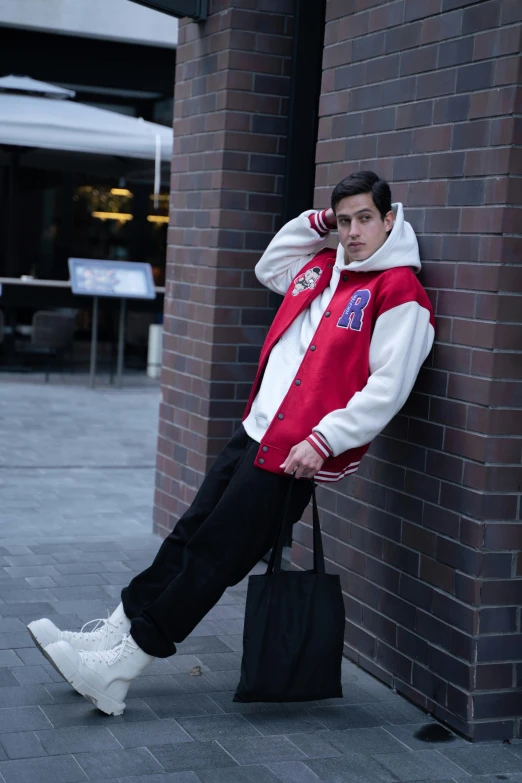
(292, 247)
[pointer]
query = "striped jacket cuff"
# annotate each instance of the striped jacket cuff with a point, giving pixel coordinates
(319, 223)
(320, 444)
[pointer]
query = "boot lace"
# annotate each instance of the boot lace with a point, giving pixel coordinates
(110, 657)
(101, 628)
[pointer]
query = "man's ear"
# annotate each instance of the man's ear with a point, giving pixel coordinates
(389, 220)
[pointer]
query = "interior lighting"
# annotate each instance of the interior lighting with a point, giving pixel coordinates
(120, 192)
(157, 218)
(123, 216)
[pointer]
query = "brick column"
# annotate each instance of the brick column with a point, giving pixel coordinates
(230, 126)
(427, 535)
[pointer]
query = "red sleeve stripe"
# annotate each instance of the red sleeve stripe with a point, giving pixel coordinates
(318, 222)
(319, 444)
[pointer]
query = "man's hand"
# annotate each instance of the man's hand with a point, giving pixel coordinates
(304, 460)
(330, 218)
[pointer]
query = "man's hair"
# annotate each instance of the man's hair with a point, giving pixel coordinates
(364, 182)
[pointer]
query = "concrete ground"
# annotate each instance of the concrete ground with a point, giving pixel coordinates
(76, 492)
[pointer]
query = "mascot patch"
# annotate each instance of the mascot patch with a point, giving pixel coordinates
(306, 281)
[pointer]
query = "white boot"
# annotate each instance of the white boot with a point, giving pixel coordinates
(105, 634)
(102, 677)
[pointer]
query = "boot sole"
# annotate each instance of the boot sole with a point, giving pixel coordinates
(42, 650)
(100, 700)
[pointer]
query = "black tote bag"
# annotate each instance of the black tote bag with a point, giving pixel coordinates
(294, 629)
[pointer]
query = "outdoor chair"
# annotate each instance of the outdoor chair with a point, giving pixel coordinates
(52, 334)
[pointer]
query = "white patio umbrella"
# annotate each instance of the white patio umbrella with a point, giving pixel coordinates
(40, 116)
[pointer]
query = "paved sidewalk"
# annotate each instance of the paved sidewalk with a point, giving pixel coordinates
(76, 490)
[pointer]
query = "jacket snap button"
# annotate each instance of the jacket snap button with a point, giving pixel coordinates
(327, 315)
(280, 416)
(330, 266)
(265, 448)
(312, 347)
(345, 278)
(261, 461)
(298, 383)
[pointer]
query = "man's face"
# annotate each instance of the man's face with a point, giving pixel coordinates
(361, 228)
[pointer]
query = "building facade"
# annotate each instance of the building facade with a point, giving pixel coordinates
(426, 536)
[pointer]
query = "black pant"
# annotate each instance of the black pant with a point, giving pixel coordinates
(231, 524)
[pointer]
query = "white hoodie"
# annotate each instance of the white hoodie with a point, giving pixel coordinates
(401, 340)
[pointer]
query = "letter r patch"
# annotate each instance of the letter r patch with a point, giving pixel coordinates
(353, 315)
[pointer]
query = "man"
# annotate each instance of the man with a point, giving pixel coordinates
(338, 363)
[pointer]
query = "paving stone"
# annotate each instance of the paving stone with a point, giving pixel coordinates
(11, 624)
(338, 718)
(159, 667)
(137, 710)
(62, 693)
(70, 593)
(188, 705)
(171, 777)
(32, 675)
(270, 723)
(78, 580)
(31, 571)
(224, 699)
(30, 560)
(77, 740)
(79, 568)
(355, 768)
(192, 756)
(396, 712)
(365, 741)
(22, 745)
(487, 779)
(315, 745)
(294, 772)
(156, 732)
(211, 727)
(115, 567)
(9, 658)
(22, 719)
(81, 713)
(14, 640)
(476, 760)
(259, 773)
(418, 765)
(262, 750)
(201, 645)
(62, 769)
(118, 763)
(31, 656)
(185, 663)
(406, 734)
(40, 581)
(7, 677)
(233, 640)
(157, 685)
(24, 696)
(221, 661)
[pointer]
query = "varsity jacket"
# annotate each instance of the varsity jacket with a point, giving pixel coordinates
(345, 348)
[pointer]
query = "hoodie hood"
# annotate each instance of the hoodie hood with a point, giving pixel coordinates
(400, 249)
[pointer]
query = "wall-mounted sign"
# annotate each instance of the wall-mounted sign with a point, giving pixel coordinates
(195, 9)
(122, 279)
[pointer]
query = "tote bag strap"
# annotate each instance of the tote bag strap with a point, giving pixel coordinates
(274, 565)
(318, 539)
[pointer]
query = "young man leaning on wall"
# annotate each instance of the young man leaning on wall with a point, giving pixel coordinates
(339, 361)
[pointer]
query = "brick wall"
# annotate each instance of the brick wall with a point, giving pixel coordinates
(230, 126)
(426, 536)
